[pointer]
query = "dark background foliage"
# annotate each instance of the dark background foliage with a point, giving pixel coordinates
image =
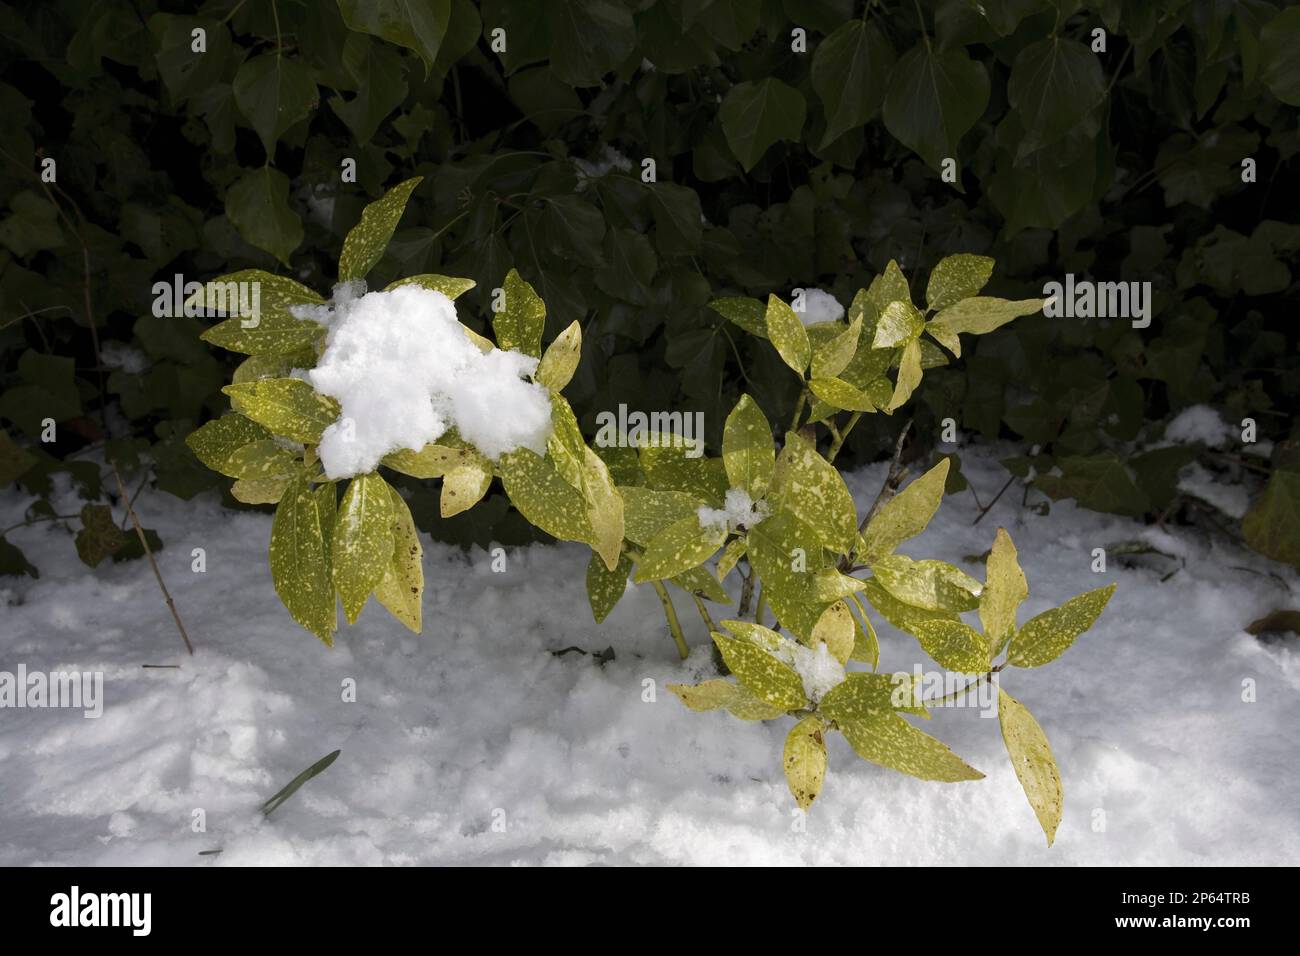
(776, 168)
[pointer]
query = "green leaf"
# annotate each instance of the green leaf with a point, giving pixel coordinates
(259, 491)
(647, 511)
(419, 25)
(889, 286)
(747, 451)
(589, 38)
(258, 206)
(719, 694)
(365, 243)
(450, 286)
(677, 215)
(909, 376)
(261, 459)
(862, 710)
(604, 508)
(1279, 56)
(840, 394)
(701, 583)
(667, 467)
(804, 760)
(431, 461)
(272, 329)
(560, 360)
(402, 588)
(978, 315)
(934, 97)
(903, 616)
(834, 355)
(1046, 637)
(605, 587)
(787, 554)
(957, 277)
(954, 644)
(274, 92)
(774, 682)
(749, 314)
(519, 325)
(1054, 84)
(788, 334)
(756, 115)
(807, 485)
(1272, 525)
(217, 440)
(362, 545)
(380, 88)
(543, 497)
(679, 547)
(99, 536)
(1031, 757)
(900, 322)
(1005, 588)
(289, 407)
(905, 515)
(850, 72)
(300, 557)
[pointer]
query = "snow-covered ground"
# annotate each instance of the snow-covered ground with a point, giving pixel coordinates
(473, 743)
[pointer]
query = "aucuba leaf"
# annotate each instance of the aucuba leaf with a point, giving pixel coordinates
(300, 559)
(560, 360)
(450, 286)
(362, 546)
(677, 548)
(289, 407)
(933, 585)
(1031, 757)
(604, 508)
(905, 515)
(954, 644)
(543, 497)
(840, 394)
(773, 681)
(909, 376)
(647, 511)
(833, 356)
(807, 485)
(889, 286)
(215, 441)
(401, 590)
(1005, 588)
(804, 760)
(364, 245)
(260, 491)
(747, 450)
(1046, 637)
(519, 325)
(465, 485)
(836, 629)
(957, 277)
(788, 334)
(900, 322)
(720, 694)
(605, 587)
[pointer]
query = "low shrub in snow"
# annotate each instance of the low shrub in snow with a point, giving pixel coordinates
(333, 392)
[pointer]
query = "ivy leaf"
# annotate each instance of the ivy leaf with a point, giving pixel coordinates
(747, 451)
(300, 557)
(804, 760)
(905, 515)
(1279, 56)
(364, 245)
(605, 587)
(561, 357)
(955, 278)
(589, 38)
(756, 115)
(258, 206)
(402, 588)
(377, 71)
(1272, 526)
(419, 25)
(719, 694)
(850, 72)
(289, 407)
(1005, 588)
(807, 485)
(1031, 758)
(520, 324)
(773, 681)
(274, 92)
(934, 97)
(362, 544)
(1046, 637)
(677, 216)
(99, 536)
(1054, 84)
(787, 334)
(679, 547)
(954, 645)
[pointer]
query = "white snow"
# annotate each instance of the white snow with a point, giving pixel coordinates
(1200, 423)
(476, 722)
(120, 356)
(404, 372)
(738, 509)
(610, 159)
(818, 669)
(1232, 499)
(819, 306)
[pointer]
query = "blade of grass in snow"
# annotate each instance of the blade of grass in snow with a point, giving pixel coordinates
(318, 767)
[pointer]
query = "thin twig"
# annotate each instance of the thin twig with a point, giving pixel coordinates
(897, 472)
(987, 508)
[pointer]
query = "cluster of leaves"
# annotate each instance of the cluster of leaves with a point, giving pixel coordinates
(782, 162)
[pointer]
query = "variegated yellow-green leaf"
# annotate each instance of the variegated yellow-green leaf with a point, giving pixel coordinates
(804, 759)
(957, 277)
(484, 345)
(1046, 637)
(945, 337)
(760, 636)
(900, 322)
(260, 491)
(979, 315)
(836, 628)
(272, 365)
(231, 293)
(668, 467)
(829, 584)
(431, 461)
(747, 451)
(933, 585)
(289, 407)
(833, 356)
(560, 360)
(719, 694)
(365, 243)
(866, 644)
(909, 376)
(604, 508)
(363, 541)
(788, 334)
(543, 497)
(606, 587)
(701, 583)
(300, 560)
(1005, 588)
(261, 459)
(273, 333)
(565, 446)
(450, 286)
(1031, 757)
(682, 545)
(889, 286)
(931, 355)
(840, 394)
(749, 314)
(217, 440)
(731, 555)
(786, 553)
(465, 485)
(878, 734)
(772, 680)
(402, 586)
(807, 485)
(902, 616)
(954, 644)
(647, 511)
(519, 325)
(905, 515)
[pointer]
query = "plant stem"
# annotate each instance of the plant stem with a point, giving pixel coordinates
(985, 510)
(746, 592)
(762, 606)
(893, 478)
(842, 434)
(670, 613)
(704, 613)
(798, 410)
